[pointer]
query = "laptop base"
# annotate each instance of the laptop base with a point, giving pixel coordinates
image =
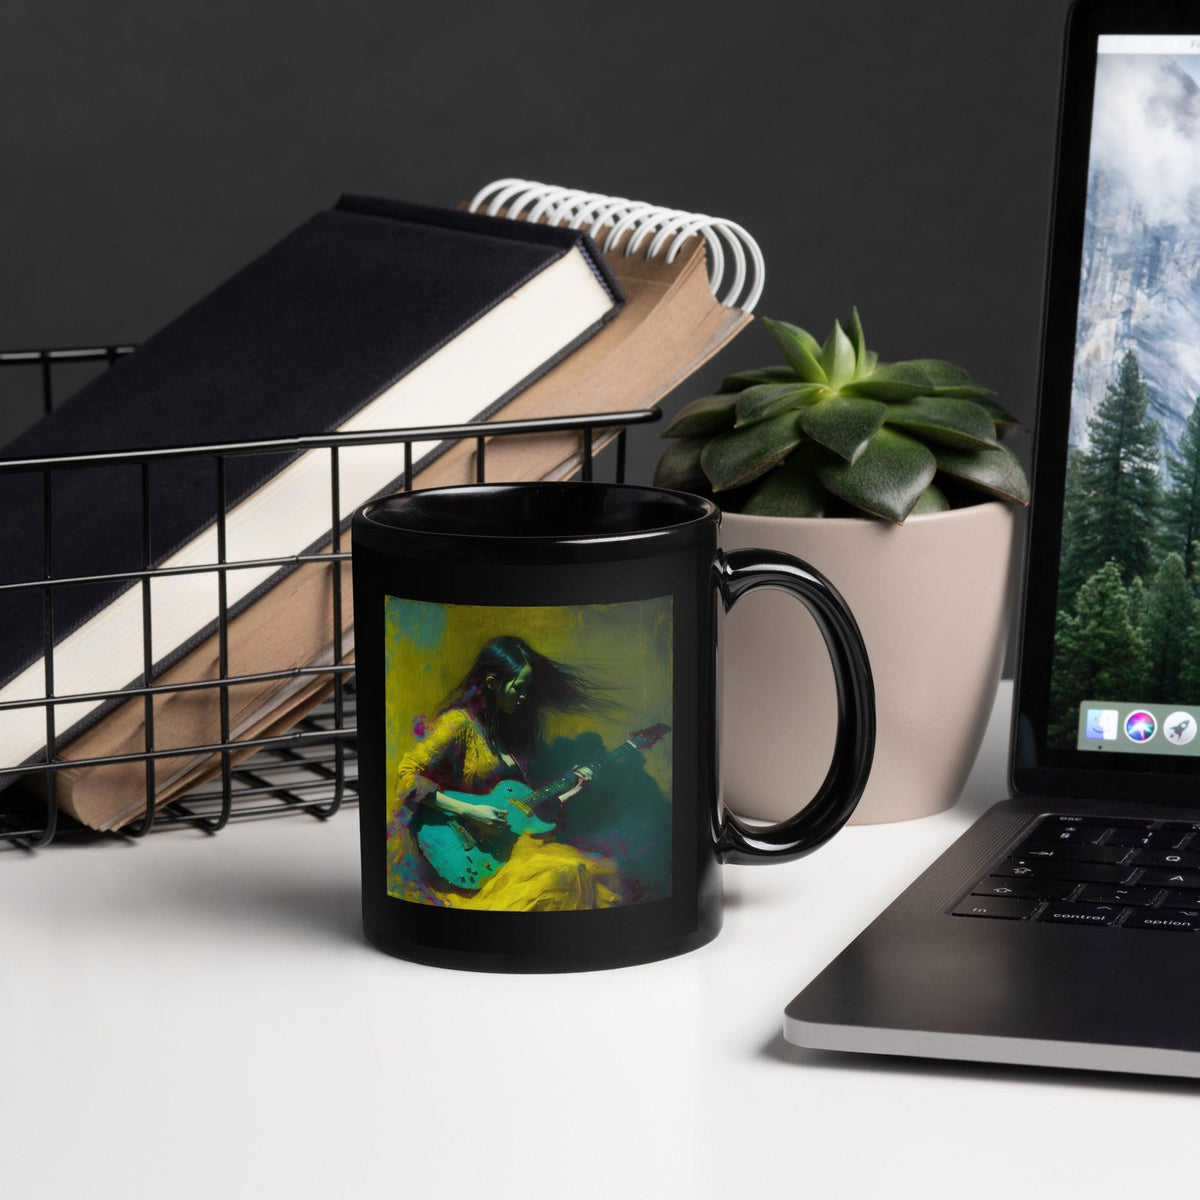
(919, 981)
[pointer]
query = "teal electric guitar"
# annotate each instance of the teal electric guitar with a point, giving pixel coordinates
(468, 855)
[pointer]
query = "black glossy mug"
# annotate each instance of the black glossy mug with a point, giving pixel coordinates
(537, 723)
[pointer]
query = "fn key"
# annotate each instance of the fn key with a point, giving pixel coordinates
(1000, 906)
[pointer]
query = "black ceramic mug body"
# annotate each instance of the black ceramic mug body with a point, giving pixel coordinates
(537, 723)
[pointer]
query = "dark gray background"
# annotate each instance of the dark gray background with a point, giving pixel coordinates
(894, 154)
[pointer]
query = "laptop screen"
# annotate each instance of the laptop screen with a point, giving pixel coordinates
(1125, 666)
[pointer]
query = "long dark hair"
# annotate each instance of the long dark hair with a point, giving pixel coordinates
(552, 685)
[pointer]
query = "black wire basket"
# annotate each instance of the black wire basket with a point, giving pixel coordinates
(312, 768)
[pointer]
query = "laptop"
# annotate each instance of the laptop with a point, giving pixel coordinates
(1063, 928)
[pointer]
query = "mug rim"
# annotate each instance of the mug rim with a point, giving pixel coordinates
(694, 510)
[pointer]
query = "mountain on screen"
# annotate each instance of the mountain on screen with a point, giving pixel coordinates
(1140, 286)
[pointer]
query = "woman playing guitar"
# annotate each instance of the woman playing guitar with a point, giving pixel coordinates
(483, 734)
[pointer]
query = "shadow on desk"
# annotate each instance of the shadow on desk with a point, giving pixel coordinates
(779, 1050)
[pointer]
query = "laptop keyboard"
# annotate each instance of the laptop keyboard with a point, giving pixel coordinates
(1092, 871)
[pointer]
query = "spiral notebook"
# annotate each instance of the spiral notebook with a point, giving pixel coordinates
(690, 283)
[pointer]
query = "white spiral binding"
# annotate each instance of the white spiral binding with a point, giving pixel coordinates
(670, 228)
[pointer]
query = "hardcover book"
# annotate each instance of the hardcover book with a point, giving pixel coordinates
(373, 315)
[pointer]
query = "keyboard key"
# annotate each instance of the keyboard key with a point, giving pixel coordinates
(1157, 918)
(1020, 868)
(1182, 859)
(1081, 914)
(1095, 854)
(986, 906)
(1178, 899)
(1030, 889)
(1067, 834)
(1101, 822)
(1157, 839)
(1099, 893)
(1166, 877)
(1036, 868)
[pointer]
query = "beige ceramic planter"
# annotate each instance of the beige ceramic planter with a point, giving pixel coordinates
(931, 598)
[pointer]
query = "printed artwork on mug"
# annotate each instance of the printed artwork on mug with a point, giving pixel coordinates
(528, 754)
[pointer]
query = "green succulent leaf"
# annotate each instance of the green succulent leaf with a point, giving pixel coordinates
(941, 373)
(890, 382)
(790, 490)
(961, 424)
(859, 341)
(871, 435)
(680, 468)
(766, 400)
(794, 332)
(744, 379)
(744, 455)
(997, 471)
(838, 356)
(706, 415)
(932, 500)
(800, 348)
(948, 379)
(887, 479)
(1005, 422)
(843, 424)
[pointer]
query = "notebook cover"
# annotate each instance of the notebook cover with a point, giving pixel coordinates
(294, 343)
(670, 325)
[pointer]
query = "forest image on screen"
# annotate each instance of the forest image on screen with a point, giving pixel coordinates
(1128, 620)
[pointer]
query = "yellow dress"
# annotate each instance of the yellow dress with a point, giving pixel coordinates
(541, 875)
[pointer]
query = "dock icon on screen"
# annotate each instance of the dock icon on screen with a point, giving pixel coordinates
(1179, 728)
(1102, 724)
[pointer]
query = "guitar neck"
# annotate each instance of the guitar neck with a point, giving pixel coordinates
(568, 780)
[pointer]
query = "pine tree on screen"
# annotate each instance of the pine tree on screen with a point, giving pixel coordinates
(1181, 504)
(1099, 652)
(1189, 681)
(1114, 494)
(1171, 611)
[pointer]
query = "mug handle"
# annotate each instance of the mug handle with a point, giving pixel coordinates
(739, 572)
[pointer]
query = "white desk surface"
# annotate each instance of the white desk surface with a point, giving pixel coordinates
(185, 1019)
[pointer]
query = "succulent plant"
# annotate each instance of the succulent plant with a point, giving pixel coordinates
(836, 432)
